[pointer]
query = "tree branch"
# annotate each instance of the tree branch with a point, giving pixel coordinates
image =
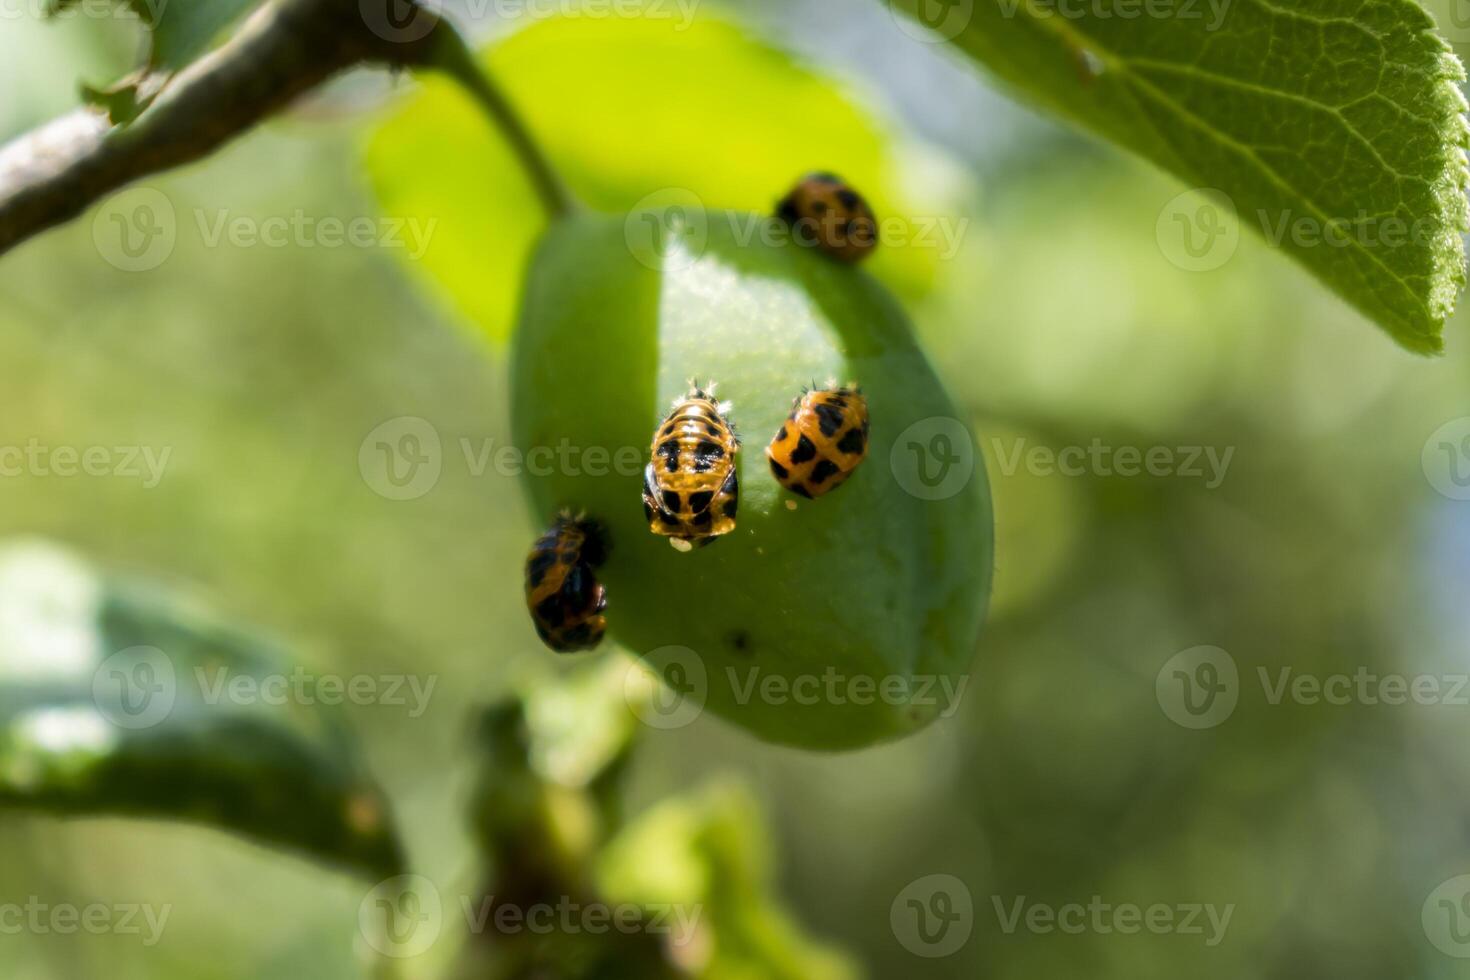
(288, 47)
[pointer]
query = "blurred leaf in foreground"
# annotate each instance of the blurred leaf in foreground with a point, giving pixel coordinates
(1333, 127)
(117, 699)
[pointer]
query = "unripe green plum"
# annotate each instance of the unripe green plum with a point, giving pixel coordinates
(836, 623)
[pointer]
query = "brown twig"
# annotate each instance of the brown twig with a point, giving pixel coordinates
(288, 47)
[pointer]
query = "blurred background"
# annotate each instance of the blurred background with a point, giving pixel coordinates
(1330, 539)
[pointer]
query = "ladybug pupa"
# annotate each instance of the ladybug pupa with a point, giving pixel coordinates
(563, 595)
(822, 441)
(824, 211)
(690, 487)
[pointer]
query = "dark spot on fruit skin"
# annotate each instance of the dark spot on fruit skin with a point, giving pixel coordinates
(823, 471)
(829, 419)
(740, 641)
(853, 442)
(804, 451)
(781, 472)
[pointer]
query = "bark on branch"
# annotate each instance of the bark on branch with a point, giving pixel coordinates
(288, 47)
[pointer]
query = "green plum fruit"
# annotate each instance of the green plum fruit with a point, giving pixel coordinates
(829, 623)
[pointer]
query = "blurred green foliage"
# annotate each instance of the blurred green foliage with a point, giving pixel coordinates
(1059, 322)
(634, 112)
(115, 699)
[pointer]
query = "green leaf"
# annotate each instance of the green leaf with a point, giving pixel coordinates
(185, 29)
(179, 31)
(1304, 113)
(110, 703)
(705, 859)
(627, 107)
